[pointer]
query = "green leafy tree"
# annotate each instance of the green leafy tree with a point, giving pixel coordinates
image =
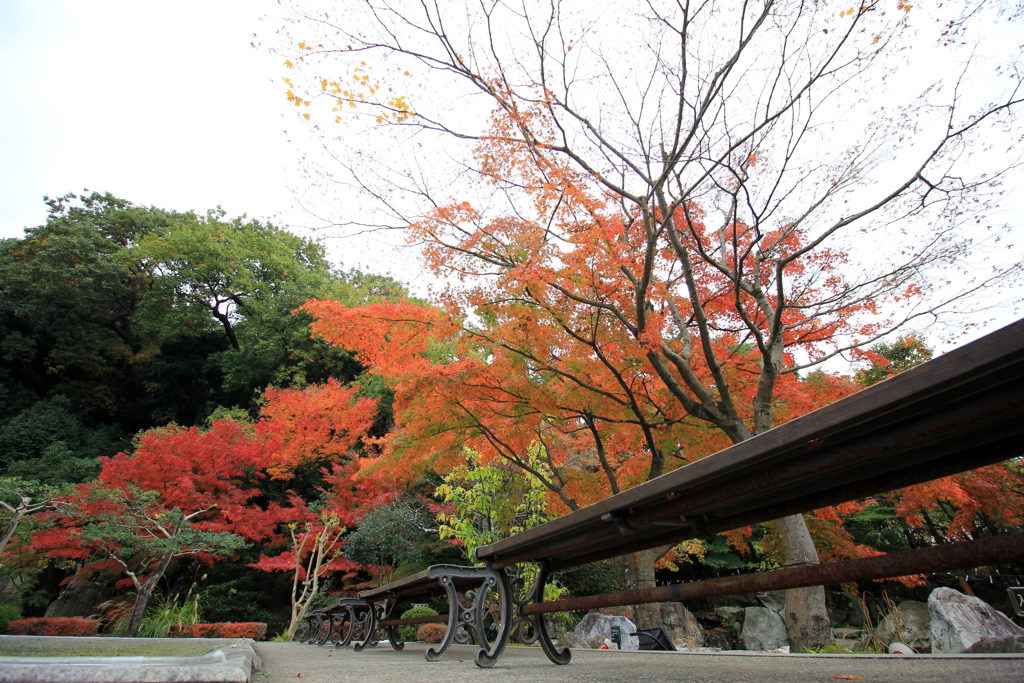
(888, 359)
(76, 315)
(139, 316)
(19, 500)
(391, 535)
(489, 501)
(51, 441)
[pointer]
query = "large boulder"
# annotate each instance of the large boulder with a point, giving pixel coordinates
(79, 599)
(773, 600)
(959, 621)
(681, 625)
(915, 625)
(601, 624)
(838, 606)
(854, 610)
(763, 629)
(731, 616)
(1000, 645)
(573, 641)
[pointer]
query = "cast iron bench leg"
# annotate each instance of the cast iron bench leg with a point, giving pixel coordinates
(346, 634)
(392, 631)
(326, 626)
(540, 627)
(474, 615)
(368, 631)
(315, 621)
(302, 632)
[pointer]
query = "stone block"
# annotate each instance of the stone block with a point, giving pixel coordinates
(773, 600)
(959, 621)
(601, 624)
(915, 620)
(681, 625)
(79, 599)
(999, 645)
(763, 629)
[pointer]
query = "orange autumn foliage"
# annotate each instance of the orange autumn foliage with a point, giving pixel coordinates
(319, 424)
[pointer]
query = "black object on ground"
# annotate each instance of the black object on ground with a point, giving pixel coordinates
(654, 639)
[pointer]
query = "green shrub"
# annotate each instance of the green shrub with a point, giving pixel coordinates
(160, 619)
(408, 632)
(591, 579)
(9, 611)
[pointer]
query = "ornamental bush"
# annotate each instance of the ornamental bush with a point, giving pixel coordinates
(55, 626)
(257, 630)
(408, 632)
(431, 633)
(9, 611)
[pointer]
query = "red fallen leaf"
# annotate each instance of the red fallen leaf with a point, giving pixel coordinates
(846, 678)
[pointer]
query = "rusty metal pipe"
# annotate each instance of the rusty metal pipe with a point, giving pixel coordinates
(984, 552)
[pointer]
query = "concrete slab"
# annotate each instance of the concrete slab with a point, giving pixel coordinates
(224, 661)
(313, 664)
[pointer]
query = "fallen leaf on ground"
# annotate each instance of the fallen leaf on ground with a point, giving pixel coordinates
(846, 678)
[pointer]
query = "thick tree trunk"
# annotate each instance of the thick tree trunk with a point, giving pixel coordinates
(637, 571)
(145, 593)
(806, 615)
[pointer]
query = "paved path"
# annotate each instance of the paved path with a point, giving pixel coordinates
(285, 661)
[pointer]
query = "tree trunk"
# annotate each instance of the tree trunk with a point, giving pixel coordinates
(145, 593)
(637, 571)
(806, 615)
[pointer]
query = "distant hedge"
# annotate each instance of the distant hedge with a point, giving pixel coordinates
(257, 630)
(54, 626)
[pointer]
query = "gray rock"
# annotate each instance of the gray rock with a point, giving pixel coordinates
(732, 615)
(847, 633)
(763, 629)
(851, 644)
(1000, 645)
(915, 626)
(773, 600)
(593, 640)
(855, 613)
(599, 623)
(79, 599)
(838, 606)
(681, 625)
(959, 621)
(573, 641)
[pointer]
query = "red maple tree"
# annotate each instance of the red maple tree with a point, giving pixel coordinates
(183, 492)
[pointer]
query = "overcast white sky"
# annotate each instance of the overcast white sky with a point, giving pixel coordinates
(161, 103)
(164, 104)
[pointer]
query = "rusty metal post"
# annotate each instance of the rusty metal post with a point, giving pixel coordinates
(984, 552)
